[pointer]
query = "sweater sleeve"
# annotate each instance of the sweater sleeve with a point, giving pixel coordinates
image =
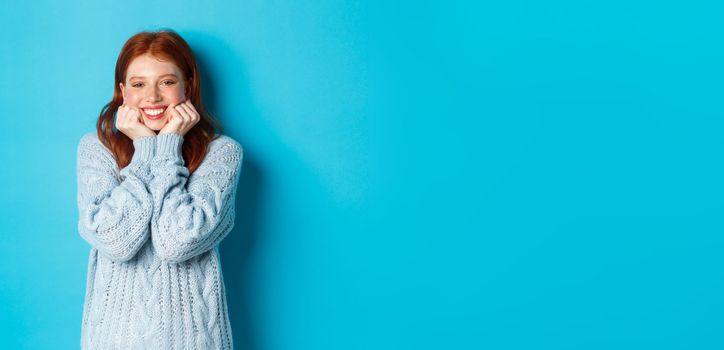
(114, 211)
(192, 214)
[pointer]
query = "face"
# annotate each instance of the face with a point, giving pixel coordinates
(152, 85)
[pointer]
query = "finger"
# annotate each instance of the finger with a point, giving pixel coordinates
(137, 112)
(132, 115)
(176, 116)
(168, 112)
(189, 113)
(173, 106)
(182, 113)
(191, 107)
(120, 116)
(195, 116)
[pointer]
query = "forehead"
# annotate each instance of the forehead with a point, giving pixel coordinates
(149, 67)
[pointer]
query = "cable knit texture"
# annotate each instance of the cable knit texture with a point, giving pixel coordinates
(154, 274)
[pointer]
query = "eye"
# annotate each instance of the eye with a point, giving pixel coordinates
(137, 84)
(169, 82)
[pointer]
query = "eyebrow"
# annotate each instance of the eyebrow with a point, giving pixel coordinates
(165, 75)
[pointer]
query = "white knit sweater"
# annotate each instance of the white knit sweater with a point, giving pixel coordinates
(154, 274)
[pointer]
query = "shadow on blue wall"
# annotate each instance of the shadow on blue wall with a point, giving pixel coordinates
(236, 250)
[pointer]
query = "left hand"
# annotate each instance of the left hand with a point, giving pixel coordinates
(183, 116)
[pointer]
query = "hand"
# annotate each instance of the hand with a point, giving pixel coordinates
(182, 118)
(129, 121)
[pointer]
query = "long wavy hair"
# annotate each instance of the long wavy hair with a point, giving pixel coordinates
(168, 45)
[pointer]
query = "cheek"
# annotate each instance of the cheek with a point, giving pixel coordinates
(132, 98)
(172, 96)
(176, 95)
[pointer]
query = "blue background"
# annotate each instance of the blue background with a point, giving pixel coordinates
(417, 174)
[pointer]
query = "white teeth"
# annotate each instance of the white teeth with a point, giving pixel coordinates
(153, 111)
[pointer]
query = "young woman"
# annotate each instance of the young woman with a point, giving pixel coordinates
(156, 189)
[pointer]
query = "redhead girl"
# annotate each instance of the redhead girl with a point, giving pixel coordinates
(156, 190)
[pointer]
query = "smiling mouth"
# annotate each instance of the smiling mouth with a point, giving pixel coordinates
(154, 114)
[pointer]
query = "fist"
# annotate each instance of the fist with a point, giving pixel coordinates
(182, 117)
(129, 121)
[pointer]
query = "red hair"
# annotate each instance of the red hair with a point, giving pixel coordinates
(166, 45)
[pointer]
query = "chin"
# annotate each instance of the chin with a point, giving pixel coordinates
(155, 125)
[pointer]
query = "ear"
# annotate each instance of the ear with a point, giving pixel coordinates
(123, 91)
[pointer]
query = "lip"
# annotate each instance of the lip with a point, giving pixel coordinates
(155, 107)
(154, 117)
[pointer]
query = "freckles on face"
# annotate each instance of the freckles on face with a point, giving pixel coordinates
(151, 82)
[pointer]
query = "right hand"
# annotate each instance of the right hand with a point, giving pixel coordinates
(129, 122)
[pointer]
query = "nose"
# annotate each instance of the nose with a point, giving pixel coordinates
(153, 95)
